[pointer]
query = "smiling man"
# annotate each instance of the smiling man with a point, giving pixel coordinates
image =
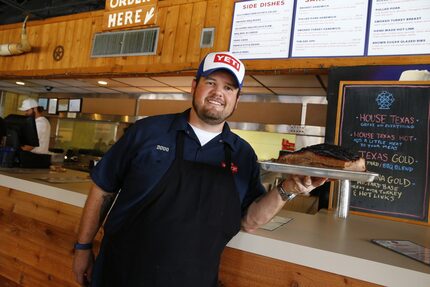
(186, 185)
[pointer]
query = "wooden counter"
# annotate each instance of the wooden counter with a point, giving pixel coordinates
(39, 221)
(38, 227)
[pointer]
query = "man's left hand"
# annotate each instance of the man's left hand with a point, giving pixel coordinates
(302, 184)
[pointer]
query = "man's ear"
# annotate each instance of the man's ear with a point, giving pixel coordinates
(193, 86)
(237, 100)
(235, 106)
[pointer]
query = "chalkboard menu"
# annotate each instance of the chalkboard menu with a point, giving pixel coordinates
(388, 124)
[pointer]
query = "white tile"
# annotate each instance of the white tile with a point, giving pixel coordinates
(299, 91)
(140, 82)
(102, 90)
(162, 90)
(288, 80)
(175, 81)
(256, 91)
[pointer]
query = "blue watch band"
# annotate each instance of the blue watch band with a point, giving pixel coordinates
(83, 246)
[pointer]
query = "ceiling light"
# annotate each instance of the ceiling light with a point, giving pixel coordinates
(104, 83)
(20, 83)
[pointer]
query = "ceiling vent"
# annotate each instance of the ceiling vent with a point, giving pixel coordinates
(207, 38)
(125, 43)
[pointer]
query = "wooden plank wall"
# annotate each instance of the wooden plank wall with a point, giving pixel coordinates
(259, 271)
(178, 50)
(36, 240)
(180, 22)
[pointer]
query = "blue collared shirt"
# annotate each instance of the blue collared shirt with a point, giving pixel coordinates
(137, 162)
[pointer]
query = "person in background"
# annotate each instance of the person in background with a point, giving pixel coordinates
(2, 132)
(184, 186)
(32, 108)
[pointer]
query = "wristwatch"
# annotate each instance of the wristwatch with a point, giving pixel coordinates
(83, 246)
(285, 195)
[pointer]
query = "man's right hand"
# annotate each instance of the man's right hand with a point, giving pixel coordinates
(91, 219)
(27, 147)
(83, 263)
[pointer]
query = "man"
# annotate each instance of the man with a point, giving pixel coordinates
(187, 185)
(31, 108)
(2, 132)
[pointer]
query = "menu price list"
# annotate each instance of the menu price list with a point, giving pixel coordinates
(389, 127)
(399, 27)
(330, 28)
(269, 29)
(261, 29)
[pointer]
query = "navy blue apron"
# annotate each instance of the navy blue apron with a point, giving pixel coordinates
(178, 234)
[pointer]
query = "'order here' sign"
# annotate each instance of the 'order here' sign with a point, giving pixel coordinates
(129, 13)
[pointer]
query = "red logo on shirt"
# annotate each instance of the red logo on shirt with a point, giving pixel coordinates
(234, 168)
(227, 59)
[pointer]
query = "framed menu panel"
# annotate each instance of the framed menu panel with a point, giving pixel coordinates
(388, 124)
(400, 27)
(329, 28)
(52, 106)
(63, 105)
(75, 105)
(264, 29)
(43, 102)
(261, 29)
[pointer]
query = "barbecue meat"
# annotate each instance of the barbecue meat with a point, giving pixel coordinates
(325, 155)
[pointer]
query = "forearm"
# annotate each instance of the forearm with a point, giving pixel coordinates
(262, 210)
(95, 210)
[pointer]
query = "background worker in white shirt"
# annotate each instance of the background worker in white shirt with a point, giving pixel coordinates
(32, 108)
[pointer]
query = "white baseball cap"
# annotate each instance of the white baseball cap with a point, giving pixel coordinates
(28, 104)
(222, 61)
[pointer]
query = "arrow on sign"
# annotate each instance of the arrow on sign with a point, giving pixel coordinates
(149, 15)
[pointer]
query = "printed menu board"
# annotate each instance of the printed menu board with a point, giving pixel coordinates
(399, 27)
(264, 29)
(261, 29)
(330, 28)
(388, 125)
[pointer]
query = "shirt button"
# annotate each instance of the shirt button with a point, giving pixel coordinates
(220, 141)
(188, 132)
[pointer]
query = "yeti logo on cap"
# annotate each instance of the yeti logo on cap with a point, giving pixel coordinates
(222, 61)
(227, 59)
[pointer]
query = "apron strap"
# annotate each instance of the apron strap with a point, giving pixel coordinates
(227, 156)
(180, 145)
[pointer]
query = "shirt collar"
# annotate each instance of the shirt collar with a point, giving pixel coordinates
(180, 123)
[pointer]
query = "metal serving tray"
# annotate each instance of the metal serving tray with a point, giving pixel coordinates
(318, 171)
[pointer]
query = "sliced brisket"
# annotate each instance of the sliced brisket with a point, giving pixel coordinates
(325, 155)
